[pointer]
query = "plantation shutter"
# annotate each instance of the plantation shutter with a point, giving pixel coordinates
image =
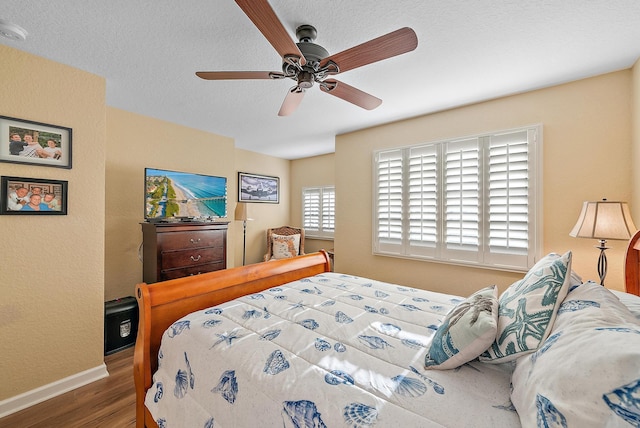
(328, 210)
(388, 209)
(311, 209)
(472, 200)
(462, 203)
(319, 211)
(510, 208)
(423, 200)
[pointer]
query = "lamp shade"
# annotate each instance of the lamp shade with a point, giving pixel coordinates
(604, 220)
(241, 212)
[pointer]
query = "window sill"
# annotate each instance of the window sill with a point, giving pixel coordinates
(319, 238)
(503, 268)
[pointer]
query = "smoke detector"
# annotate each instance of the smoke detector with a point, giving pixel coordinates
(12, 31)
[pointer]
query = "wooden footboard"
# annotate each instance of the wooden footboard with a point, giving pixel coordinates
(632, 265)
(162, 303)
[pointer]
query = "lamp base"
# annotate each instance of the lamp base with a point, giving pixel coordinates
(602, 261)
(244, 241)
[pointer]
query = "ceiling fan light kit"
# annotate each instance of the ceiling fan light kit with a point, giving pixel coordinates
(307, 63)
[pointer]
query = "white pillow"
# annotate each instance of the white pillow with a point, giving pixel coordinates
(285, 246)
(631, 301)
(466, 332)
(528, 308)
(587, 373)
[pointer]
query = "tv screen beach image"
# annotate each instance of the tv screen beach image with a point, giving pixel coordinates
(180, 194)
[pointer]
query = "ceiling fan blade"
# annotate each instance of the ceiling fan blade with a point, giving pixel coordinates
(291, 101)
(350, 94)
(263, 17)
(232, 75)
(395, 43)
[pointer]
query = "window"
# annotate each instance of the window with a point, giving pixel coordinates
(471, 200)
(319, 211)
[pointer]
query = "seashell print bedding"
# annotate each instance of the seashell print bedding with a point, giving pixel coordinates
(331, 350)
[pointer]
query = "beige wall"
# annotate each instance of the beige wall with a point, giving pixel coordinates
(586, 156)
(52, 275)
(136, 142)
(264, 215)
(51, 318)
(309, 172)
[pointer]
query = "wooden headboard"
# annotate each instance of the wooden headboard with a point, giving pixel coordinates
(162, 303)
(632, 265)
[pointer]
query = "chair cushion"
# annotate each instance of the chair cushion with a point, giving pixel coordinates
(285, 246)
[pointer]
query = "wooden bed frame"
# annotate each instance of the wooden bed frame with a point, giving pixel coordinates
(632, 265)
(162, 303)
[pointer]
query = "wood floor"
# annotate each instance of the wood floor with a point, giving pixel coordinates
(109, 402)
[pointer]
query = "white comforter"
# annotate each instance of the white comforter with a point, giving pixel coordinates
(331, 350)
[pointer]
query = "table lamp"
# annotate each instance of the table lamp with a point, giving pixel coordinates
(604, 220)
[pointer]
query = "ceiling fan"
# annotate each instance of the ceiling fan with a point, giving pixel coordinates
(307, 63)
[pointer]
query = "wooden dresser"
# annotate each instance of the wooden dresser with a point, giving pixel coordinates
(174, 250)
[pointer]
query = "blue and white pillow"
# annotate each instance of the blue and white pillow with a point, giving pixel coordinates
(466, 332)
(587, 373)
(528, 308)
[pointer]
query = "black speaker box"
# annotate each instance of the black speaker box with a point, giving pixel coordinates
(120, 324)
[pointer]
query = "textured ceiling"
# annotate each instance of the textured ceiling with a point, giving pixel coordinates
(468, 51)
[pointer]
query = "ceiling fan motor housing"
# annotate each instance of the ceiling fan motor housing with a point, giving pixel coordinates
(313, 54)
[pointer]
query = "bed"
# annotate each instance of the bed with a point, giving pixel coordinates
(290, 343)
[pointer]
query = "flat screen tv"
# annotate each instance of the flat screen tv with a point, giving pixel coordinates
(172, 194)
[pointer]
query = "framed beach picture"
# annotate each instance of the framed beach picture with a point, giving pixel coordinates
(34, 143)
(258, 188)
(32, 196)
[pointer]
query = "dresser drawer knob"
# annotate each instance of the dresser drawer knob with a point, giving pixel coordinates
(195, 259)
(194, 241)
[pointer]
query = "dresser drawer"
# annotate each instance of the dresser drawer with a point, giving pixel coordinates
(190, 239)
(189, 271)
(187, 258)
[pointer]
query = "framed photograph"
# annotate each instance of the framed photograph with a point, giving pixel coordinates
(34, 143)
(32, 196)
(258, 188)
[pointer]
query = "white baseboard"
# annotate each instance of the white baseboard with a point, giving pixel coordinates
(45, 392)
